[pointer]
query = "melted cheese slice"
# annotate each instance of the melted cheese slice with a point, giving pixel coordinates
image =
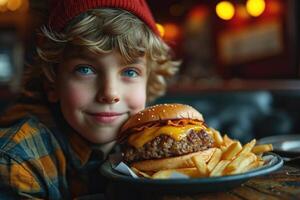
(177, 133)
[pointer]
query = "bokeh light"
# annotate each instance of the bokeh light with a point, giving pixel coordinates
(225, 10)
(161, 29)
(13, 5)
(3, 2)
(255, 7)
(172, 31)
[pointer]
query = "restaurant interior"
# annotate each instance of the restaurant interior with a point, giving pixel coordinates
(240, 62)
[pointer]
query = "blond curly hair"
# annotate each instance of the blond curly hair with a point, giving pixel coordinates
(101, 31)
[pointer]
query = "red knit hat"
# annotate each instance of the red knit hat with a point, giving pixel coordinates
(62, 11)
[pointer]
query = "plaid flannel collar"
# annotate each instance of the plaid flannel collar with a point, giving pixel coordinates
(85, 150)
(80, 147)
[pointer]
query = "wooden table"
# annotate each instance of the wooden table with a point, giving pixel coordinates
(282, 184)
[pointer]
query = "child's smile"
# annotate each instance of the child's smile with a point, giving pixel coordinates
(106, 117)
(98, 92)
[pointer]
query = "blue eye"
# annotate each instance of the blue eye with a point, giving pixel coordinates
(130, 73)
(84, 70)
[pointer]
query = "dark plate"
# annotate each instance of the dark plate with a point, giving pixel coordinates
(185, 186)
(284, 145)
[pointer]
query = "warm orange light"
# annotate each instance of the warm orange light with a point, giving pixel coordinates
(13, 5)
(195, 18)
(255, 7)
(274, 7)
(225, 10)
(3, 2)
(25, 5)
(171, 31)
(197, 14)
(3, 8)
(241, 12)
(161, 29)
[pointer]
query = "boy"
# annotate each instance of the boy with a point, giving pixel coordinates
(98, 62)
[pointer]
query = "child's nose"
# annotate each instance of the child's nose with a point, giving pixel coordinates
(109, 93)
(109, 100)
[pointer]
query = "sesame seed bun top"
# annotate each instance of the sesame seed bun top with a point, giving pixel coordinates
(161, 112)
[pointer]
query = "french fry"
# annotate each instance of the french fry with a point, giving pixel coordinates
(191, 172)
(262, 148)
(201, 165)
(227, 141)
(183, 161)
(164, 174)
(247, 148)
(229, 157)
(253, 165)
(215, 158)
(260, 163)
(239, 163)
(232, 150)
(219, 169)
(223, 148)
(217, 137)
(259, 157)
(140, 173)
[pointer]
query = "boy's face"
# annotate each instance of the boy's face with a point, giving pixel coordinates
(97, 93)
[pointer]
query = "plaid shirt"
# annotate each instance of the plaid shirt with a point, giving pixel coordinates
(42, 163)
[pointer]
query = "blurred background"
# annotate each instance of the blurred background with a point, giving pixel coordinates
(240, 59)
(248, 39)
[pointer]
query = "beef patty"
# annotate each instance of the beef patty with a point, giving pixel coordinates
(165, 146)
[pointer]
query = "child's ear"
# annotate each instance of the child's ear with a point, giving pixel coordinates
(51, 92)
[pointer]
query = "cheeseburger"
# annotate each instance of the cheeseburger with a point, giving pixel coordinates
(165, 136)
